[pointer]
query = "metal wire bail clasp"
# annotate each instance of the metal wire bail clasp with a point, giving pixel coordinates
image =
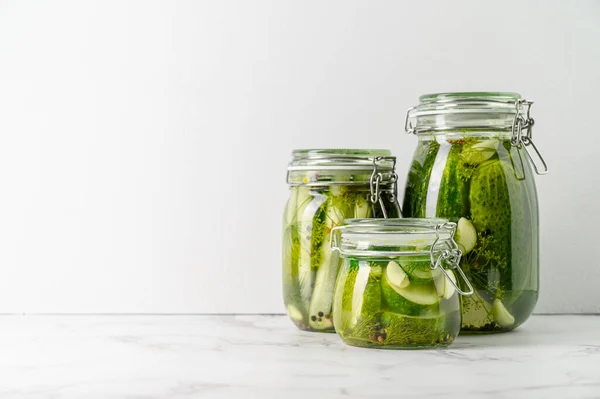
(334, 235)
(525, 124)
(408, 126)
(374, 184)
(374, 181)
(449, 256)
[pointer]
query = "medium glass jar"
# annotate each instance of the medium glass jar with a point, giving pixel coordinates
(471, 167)
(326, 187)
(397, 286)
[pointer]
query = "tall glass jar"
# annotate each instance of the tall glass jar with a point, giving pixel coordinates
(473, 166)
(397, 286)
(326, 187)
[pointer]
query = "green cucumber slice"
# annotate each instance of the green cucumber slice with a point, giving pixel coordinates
(358, 294)
(361, 298)
(294, 313)
(412, 300)
(426, 274)
(449, 289)
(306, 273)
(501, 315)
(466, 235)
(322, 296)
(444, 288)
(344, 291)
(396, 276)
(400, 305)
(480, 151)
(421, 272)
(362, 208)
(421, 294)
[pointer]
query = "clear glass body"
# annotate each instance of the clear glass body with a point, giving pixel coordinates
(485, 185)
(310, 267)
(395, 303)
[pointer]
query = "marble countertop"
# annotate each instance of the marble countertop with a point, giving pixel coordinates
(267, 357)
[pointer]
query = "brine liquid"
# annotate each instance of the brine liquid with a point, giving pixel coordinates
(309, 265)
(489, 183)
(372, 310)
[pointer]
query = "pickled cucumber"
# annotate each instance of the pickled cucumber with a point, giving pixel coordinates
(309, 266)
(479, 152)
(497, 222)
(501, 315)
(396, 300)
(320, 305)
(465, 236)
(415, 294)
(492, 213)
(395, 275)
(420, 272)
(359, 296)
(444, 287)
(343, 318)
(490, 201)
(453, 194)
(404, 297)
(371, 311)
(415, 195)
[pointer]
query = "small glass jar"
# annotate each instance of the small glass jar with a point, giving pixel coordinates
(397, 286)
(471, 167)
(326, 187)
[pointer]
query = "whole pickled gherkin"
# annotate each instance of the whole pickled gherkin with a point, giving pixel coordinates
(418, 180)
(453, 198)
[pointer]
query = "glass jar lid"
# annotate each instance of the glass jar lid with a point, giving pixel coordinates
(407, 237)
(324, 167)
(394, 237)
(477, 113)
(441, 112)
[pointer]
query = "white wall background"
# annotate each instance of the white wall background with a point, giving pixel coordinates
(143, 144)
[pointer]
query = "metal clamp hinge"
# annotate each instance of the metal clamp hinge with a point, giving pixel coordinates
(375, 190)
(449, 256)
(408, 126)
(522, 127)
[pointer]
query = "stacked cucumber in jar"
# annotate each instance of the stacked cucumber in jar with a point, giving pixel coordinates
(327, 187)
